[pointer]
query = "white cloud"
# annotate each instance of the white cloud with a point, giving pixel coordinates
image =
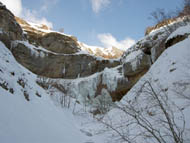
(32, 16)
(97, 5)
(15, 6)
(109, 41)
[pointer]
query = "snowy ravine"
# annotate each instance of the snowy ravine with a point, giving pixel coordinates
(169, 76)
(37, 120)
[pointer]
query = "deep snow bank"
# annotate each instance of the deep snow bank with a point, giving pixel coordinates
(37, 120)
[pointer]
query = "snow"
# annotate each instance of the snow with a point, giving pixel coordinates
(180, 31)
(84, 89)
(179, 21)
(34, 121)
(36, 51)
(133, 58)
(93, 48)
(40, 120)
(163, 28)
(100, 51)
(1, 5)
(37, 121)
(169, 74)
(42, 52)
(110, 78)
(37, 27)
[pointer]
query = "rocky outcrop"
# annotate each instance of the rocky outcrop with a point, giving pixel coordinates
(9, 28)
(136, 65)
(175, 40)
(41, 35)
(59, 43)
(139, 58)
(53, 65)
(178, 35)
(154, 43)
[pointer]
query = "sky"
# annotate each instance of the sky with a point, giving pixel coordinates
(103, 23)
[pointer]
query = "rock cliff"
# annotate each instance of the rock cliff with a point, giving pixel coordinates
(81, 74)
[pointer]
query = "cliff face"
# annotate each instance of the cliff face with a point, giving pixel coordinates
(41, 35)
(56, 55)
(10, 29)
(82, 75)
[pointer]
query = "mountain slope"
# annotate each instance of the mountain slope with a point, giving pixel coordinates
(155, 69)
(34, 33)
(169, 80)
(27, 112)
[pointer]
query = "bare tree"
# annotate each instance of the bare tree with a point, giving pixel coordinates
(54, 87)
(185, 8)
(44, 82)
(163, 19)
(160, 15)
(149, 117)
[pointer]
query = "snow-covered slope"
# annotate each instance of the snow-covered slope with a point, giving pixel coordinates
(109, 53)
(169, 79)
(28, 114)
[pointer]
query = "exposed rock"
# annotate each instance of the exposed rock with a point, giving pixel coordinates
(123, 86)
(178, 35)
(41, 35)
(10, 29)
(56, 55)
(157, 50)
(135, 66)
(175, 40)
(59, 43)
(58, 65)
(72, 66)
(153, 43)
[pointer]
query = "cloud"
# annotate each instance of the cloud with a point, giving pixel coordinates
(97, 5)
(32, 16)
(15, 6)
(109, 41)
